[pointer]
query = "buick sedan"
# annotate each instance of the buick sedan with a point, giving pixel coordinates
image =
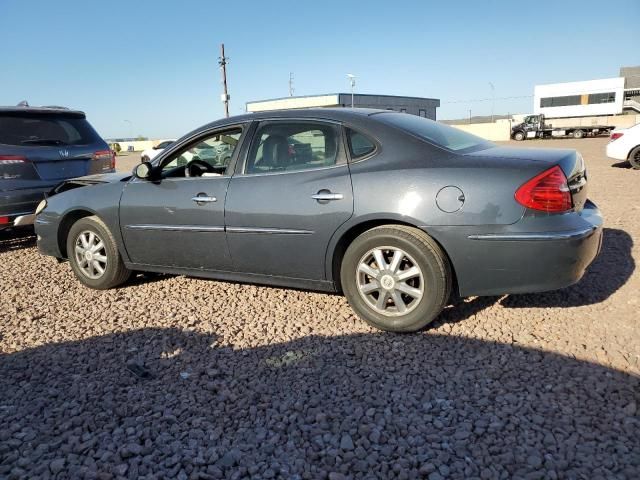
(393, 210)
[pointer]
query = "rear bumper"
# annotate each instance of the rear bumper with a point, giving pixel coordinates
(19, 205)
(524, 259)
(617, 150)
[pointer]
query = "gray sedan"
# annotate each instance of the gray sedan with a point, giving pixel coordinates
(396, 211)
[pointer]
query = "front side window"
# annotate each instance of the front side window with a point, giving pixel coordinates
(439, 134)
(287, 146)
(206, 157)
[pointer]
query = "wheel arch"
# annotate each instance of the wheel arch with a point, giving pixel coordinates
(65, 225)
(342, 241)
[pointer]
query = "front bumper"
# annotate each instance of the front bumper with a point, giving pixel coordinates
(523, 257)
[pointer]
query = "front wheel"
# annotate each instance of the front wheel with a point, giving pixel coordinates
(634, 158)
(94, 256)
(519, 136)
(578, 133)
(396, 278)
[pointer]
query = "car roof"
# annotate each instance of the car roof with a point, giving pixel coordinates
(20, 110)
(337, 114)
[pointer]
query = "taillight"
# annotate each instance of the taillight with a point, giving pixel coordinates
(103, 155)
(11, 159)
(548, 192)
(4, 220)
(615, 136)
(113, 159)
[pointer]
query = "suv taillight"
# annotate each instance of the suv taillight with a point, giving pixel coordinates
(102, 155)
(547, 192)
(615, 136)
(11, 159)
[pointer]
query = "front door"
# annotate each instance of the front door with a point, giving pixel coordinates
(290, 197)
(178, 220)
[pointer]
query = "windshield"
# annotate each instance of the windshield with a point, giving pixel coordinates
(439, 134)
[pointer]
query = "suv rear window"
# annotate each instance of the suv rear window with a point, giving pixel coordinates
(439, 134)
(46, 130)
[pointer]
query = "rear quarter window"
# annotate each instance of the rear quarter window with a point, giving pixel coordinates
(442, 135)
(46, 130)
(360, 145)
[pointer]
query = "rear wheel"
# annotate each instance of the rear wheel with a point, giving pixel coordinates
(94, 256)
(634, 158)
(578, 133)
(396, 278)
(519, 136)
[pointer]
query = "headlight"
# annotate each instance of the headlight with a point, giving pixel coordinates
(41, 206)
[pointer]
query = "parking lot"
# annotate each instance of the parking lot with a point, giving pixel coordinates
(249, 381)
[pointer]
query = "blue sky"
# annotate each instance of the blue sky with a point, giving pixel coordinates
(155, 63)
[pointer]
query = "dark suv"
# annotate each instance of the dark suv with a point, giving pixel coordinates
(40, 147)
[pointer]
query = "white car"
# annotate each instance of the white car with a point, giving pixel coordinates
(625, 145)
(151, 153)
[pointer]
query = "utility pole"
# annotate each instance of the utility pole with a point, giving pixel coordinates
(291, 89)
(469, 116)
(222, 61)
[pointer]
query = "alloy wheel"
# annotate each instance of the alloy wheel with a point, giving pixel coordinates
(90, 254)
(390, 281)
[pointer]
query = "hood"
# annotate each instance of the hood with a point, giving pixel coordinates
(87, 180)
(103, 178)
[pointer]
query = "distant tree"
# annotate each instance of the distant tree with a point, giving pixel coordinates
(140, 138)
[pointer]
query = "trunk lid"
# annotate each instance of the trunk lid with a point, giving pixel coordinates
(570, 161)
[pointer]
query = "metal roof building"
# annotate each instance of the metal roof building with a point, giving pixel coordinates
(423, 107)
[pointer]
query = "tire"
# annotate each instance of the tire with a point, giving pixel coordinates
(91, 231)
(634, 158)
(519, 136)
(429, 291)
(578, 133)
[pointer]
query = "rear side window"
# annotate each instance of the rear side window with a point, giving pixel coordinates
(284, 146)
(46, 130)
(359, 144)
(439, 134)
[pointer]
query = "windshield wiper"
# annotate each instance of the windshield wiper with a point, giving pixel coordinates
(44, 141)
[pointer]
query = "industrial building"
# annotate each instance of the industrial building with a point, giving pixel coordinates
(606, 96)
(423, 107)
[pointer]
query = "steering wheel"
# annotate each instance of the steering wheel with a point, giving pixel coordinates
(196, 167)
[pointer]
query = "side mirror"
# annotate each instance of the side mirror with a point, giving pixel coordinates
(143, 170)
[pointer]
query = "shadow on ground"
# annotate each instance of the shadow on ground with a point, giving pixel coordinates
(624, 164)
(16, 239)
(362, 406)
(610, 271)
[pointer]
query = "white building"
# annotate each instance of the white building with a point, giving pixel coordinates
(605, 96)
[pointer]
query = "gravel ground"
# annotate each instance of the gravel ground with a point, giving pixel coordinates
(173, 377)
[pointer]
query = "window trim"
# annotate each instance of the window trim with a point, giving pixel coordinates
(341, 155)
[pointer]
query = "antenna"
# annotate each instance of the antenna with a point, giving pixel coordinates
(291, 89)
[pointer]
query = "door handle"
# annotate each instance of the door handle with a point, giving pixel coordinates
(204, 199)
(325, 195)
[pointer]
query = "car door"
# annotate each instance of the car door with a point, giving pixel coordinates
(288, 199)
(178, 220)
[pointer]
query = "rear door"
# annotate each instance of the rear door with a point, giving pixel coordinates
(290, 197)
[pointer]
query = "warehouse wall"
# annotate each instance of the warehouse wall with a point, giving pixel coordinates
(499, 131)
